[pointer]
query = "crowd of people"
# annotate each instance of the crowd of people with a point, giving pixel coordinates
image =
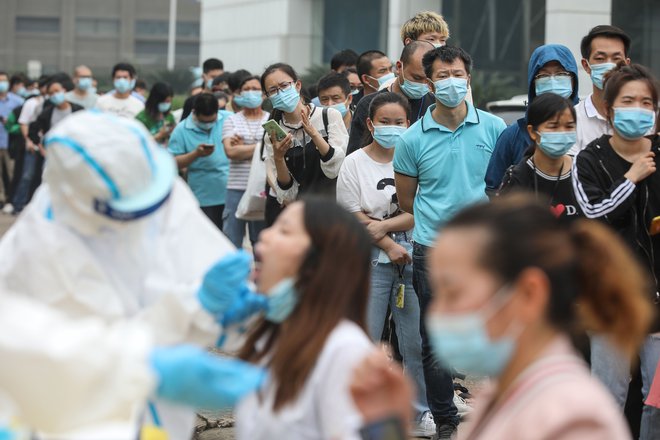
(378, 205)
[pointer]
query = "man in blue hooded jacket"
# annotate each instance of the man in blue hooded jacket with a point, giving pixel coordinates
(552, 69)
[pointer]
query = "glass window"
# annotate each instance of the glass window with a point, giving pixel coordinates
(150, 48)
(151, 28)
(187, 29)
(38, 24)
(97, 26)
(183, 49)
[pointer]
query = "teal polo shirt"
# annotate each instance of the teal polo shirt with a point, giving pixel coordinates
(449, 166)
(207, 176)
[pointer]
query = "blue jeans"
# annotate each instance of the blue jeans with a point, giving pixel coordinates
(613, 370)
(439, 382)
(385, 282)
(22, 191)
(234, 228)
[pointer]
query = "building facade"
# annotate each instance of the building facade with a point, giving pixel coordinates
(499, 34)
(99, 33)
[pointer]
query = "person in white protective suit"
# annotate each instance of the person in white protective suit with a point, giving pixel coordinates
(83, 379)
(114, 233)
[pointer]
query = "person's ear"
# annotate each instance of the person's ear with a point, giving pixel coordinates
(431, 86)
(365, 80)
(349, 100)
(532, 134)
(534, 290)
(407, 41)
(469, 80)
(370, 126)
(407, 123)
(298, 85)
(585, 66)
(627, 61)
(399, 66)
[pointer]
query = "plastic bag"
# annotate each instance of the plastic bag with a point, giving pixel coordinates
(253, 203)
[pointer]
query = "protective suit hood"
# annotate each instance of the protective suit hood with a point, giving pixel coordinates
(543, 55)
(103, 171)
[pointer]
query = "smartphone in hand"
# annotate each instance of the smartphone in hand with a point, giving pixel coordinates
(274, 130)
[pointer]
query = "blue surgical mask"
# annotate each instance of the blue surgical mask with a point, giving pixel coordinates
(633, 122)
(209, 83)
(57, 98)
(207, 126)
(341, 108)
(462, 342)
(84, 83)
(451, 91)
(4, 86)
(286, 100)
(92, 90)
(355, 92)
(164, 107)
(557, 143)
(414, 90)
(249, 99)
(122, 85)
(559, 85)
(383, 79)
(22, 92)
(34, 92)
(282, 300)
(437, 45)
(598, 71)
(388, 135)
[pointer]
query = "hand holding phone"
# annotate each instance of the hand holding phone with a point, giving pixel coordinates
(205, 149)
(274, 130)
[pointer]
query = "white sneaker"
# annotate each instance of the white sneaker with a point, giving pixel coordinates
(424, 427)
(8, 208)
(462, 406)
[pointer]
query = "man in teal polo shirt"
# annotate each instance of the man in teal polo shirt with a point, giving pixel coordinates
(439, 164)
(196, 144)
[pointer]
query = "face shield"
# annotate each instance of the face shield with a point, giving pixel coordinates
(104, 172)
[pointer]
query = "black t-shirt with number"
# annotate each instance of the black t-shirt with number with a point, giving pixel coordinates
(557, 191)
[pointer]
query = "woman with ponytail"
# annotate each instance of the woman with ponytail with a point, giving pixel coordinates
(511, 284)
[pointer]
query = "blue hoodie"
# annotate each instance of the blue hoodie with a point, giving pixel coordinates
(514, 141)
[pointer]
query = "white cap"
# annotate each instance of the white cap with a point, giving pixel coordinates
(101, 165)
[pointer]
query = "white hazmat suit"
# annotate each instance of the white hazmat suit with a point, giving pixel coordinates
(114, 233)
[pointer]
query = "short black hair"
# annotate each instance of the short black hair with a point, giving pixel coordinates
(411, 48)
(607, 31)
(212, 64)
(141, 84)
(363, 65)
(205, 104)
(334, 79)
(124, 66)
(346, 57)
(63, 79)
(43, 80)
(384, 98)
(237, 79)
(18, 78)
(282, 67)
(222, 78)
(446, 54)
(546, 106)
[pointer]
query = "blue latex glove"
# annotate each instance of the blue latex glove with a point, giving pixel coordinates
(6, 434)
(246, 304)
(188, 375)
(224, 282)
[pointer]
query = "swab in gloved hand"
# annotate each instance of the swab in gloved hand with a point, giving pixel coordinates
(191, 376)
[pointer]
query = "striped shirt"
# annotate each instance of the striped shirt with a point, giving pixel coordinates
(252, 132)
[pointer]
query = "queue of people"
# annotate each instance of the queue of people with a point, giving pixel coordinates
(413, 253)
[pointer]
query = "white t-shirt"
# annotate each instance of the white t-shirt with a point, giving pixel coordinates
(252, 132)
(590, 125)
(368, 186)
(125, 108)
(324, 408)
(31, 110)
(87, 102)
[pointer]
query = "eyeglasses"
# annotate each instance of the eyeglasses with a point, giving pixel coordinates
(281, 88)
(557, 75)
